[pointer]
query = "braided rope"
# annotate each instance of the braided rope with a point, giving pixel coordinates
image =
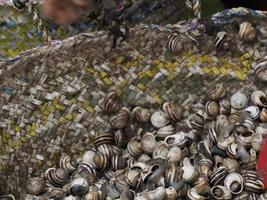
(195, 6)
(227, 16)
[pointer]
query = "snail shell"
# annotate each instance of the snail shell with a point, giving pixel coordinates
(222, 41)
(133, 178)
(174, 155)
(177, 139)
(142, 115)
(134, 147)
(256, 141)
(197, 120)
(212, 109)
(232, 150)
(101, 161)
(218, 176)
(88, 157)
(121, 119)
(106, 149)
(255, 186)
(120, 138)
(85, 169)
(165, 131)
(172, 174)
(92, 196)
(57, 177)
(239, 101)
(55, 193)
(78, 186)
(116, 150)
(159, 119)
(68, 164)
(260, 69)
(213, 135)
(221, 192)
(234, 182)
(104, 138)
(161, 150)
(253, 111)
(174, 44)
(247, 32)
(245, 138)
(7, 197)
(173, 110)
(111, 103)
(118, 162)
(148, 143)
(218, 93)
(192, 194)
(249, 174)
(234, 117)
(225, 106)
(35, 185)
(158, 194)
(263, 115)
(190, 173)
(171, 193)
(259, 98)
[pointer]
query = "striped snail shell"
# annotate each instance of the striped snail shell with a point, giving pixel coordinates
(68, 164)
(218, 93)
(120, 120)
(57, 177)
(173, 110)
(134, 147)
(222, 41)
(118, 162)
(103, 138)
(111, 103)
(260, 69)
(247, 32)
(174, 44)
(101, 161)
(142, 115)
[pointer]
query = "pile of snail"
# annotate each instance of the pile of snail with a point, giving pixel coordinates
(209, 153)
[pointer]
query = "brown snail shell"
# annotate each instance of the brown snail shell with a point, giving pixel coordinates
(174, 155)
(35, 185)
(120, 138)
(174, 44)
(260, 69)
(68, 164)
(57, 177)
(142, 115)
(192, 194)
(247, 32)
(263, 115)
(118, 162)
(218, 93)
(148, 143)
(245, 138)
(92, 196)
(121, 119)
(172, 174)
(225, 106)
(222, 41)
(111, 103)
(133, 178)
(197, 120)
(85, 169)
(106, 149)
(173, 110)
(171, 193)
(101, 161)
(103, 138)
(134, 147)
(161, 150)
(259, 98)
(212, 109)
